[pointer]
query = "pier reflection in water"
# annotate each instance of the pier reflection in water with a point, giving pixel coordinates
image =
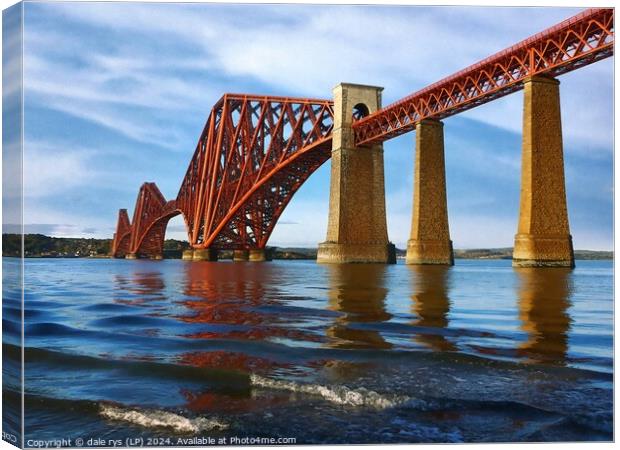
(143, 287)
(358, 291)
(544, 300)
(431, 303)
(246, 301)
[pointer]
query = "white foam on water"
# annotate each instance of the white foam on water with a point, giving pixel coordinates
(341, 395)
(161, 419)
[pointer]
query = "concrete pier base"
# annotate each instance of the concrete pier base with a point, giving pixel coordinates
(429, 241)
(260, 255)
(204, 254)
(241, 255)
(541, 251)
(357, 227)
(356, 253)
(156, 257)
(543, 238)
(430, 252)
(131, 256)
(187, 255)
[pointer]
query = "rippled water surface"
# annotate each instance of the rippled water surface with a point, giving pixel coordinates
(319, 353)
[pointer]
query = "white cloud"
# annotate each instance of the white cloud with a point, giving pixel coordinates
(110, 79)
(50, 169)
(39, 218)
(127, 95)
(12, 65)
(11, 168)
(133, 126)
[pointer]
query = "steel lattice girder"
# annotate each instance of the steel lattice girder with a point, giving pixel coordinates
(253, 155)
(569, 45)
(120, 241)
(150, 218)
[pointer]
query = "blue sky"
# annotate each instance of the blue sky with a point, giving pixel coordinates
(117, 94)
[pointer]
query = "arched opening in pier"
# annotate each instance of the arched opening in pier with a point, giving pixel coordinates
(360, 111)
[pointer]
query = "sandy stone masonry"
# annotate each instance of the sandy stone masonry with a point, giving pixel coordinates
(200, 254)
(429, 242)
(357, 225)
(543, 237)
(259, 255)
(211, 254)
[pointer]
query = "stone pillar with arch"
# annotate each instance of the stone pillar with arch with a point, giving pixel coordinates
(357, 224)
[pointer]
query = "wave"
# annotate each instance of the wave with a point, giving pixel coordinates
(155, 418)
(131, 415)
(234, 380)
(132, 320)
(46, 329)
(12, 313)
(107, 307)
(11, 328)
(279, 309)
(408, 329)
(341, 395)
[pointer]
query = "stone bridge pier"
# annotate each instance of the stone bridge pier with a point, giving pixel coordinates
(543, 237)
(357, 225)
(239, 255)
(200, 254)
(429, 241)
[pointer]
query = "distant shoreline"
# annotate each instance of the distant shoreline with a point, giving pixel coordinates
(41, 246)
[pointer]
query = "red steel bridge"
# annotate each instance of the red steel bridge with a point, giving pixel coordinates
(256, 151)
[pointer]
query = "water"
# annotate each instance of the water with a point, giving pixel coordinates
(170, 350)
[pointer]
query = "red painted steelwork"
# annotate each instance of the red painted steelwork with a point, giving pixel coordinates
(120, 241)
(569, 45)
(148, 227)
(253, 155)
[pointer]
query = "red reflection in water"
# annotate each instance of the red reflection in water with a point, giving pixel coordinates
(235, 294)
(229, 361)
(147, 286)
(222, 403)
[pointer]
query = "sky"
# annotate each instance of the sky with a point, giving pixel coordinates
(116, 94)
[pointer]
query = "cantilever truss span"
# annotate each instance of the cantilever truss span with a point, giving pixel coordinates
(145, 235)
(256, 151)
(252, 156)
(122, 237)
